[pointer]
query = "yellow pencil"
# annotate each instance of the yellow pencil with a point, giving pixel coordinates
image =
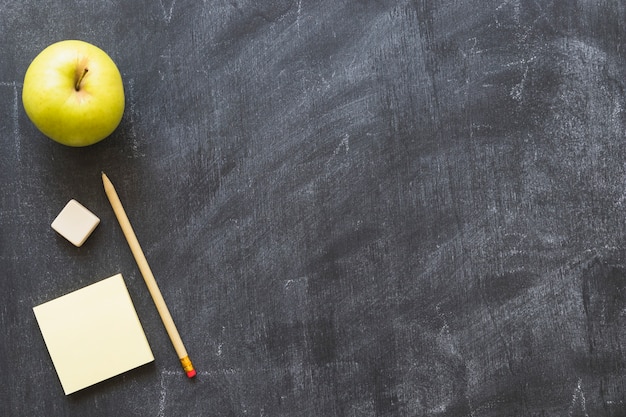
(144, 268)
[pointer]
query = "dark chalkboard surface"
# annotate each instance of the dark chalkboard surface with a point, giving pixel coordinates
(352, 208)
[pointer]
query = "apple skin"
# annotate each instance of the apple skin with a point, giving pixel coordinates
(73, 93)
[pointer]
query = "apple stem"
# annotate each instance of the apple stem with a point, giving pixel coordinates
(77, 86)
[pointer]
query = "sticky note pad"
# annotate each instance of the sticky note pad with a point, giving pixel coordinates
(93, 334)
(75, 222)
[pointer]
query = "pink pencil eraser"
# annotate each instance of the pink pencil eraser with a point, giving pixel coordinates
(191, 374)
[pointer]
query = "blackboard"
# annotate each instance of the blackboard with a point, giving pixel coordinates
(352, 208)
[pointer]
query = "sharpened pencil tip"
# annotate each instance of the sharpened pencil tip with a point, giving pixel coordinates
(108, 186)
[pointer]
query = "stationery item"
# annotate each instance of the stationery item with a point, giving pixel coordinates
(93, 334)
(148, 277)
(75, 223)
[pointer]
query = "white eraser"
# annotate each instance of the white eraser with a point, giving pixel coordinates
(75, 223)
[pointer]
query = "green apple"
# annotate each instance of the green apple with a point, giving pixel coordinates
(73, 93)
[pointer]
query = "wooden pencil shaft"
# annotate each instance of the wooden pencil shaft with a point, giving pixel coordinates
(144, 268)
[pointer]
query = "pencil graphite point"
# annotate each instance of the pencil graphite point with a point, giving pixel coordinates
(107, 184)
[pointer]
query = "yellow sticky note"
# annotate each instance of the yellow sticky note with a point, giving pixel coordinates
(93, 334)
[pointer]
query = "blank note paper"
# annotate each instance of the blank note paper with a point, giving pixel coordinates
(93, 334)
